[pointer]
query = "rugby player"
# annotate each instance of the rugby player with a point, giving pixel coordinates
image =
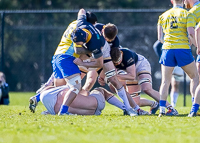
(176, 24)
(79, 39)
(177, 74)
(85, 103)
(137, 68)
(196, 103)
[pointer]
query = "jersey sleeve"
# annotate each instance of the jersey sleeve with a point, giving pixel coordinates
(115, 43)
(191, 20)
(160, 20)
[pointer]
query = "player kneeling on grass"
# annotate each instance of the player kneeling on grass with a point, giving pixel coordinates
(85, 103)
(138, 68)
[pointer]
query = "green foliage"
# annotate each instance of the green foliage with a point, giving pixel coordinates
(18, 124)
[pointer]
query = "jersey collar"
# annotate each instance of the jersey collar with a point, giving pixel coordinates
(177, 6)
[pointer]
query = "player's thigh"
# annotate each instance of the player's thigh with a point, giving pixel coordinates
(191, 70)
(166, 73)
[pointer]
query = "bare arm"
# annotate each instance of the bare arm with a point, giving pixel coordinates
(191, 35)
(160, 34)
(197, 37)
(94, 63)
(131, 73)
(81, 50)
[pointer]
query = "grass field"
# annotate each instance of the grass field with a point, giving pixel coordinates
(19, 125)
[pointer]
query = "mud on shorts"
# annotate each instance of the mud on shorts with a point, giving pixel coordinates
(100, 101)
(49, 98)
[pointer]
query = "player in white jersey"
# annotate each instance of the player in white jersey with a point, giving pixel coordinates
(86, 103)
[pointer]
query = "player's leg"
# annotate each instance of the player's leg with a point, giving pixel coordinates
(198, 64)
(90, 80)
(110, 73)
(166, 77)
(135, 89)
(191, 71)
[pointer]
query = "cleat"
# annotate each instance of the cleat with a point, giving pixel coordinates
(153, 110)
(125, 112)
(33, 104)
(142, 112)
(131, 112)
(161, 115)
(192, 114)
(172, 112)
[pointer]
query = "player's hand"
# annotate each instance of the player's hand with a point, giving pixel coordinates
(198, 51)
(101, 81)
(78, 61)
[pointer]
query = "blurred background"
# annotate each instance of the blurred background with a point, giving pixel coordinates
(32, 29)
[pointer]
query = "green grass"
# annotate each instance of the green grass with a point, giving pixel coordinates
(19, 125)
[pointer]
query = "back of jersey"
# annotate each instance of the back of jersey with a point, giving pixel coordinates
(196, 11)
(174, 23)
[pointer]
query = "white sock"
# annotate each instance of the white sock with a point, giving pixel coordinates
(114, 101)
(162, 109)
(154, 104)
(174, 98)
(136, 108)
(122, 94)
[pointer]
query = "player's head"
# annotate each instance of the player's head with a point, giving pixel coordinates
(116, 55)
(79, 36)
(110, 32)
(188, 3)
(91, 17)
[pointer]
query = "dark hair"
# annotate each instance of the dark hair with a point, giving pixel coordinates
(115, 53)
(110, 31)
(91, 17)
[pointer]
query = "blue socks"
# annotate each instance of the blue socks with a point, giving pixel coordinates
(192, 100)
(195, 108)
(37, 97)
(162, 103)
(64, 109)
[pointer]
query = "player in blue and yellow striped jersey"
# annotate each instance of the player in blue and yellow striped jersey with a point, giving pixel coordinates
(196, 103)
(176, 24)
(195, 9)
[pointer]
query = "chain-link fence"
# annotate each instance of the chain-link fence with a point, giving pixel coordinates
(29, 39)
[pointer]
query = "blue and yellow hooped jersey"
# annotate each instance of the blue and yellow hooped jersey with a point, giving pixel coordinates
(196, 11)
(66, 44)
(174, 23)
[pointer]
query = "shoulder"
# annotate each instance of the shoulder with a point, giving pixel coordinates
(99, 26)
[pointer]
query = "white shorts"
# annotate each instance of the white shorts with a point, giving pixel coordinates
(142, 65)
(178, 71)
(49, 97)
(100, 101)
(106, 55)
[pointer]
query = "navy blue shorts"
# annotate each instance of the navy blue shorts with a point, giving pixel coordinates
(174, 57)
(63, 66)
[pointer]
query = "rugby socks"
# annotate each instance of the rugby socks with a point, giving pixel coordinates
(174, 97)
(63, 109)
(114, 101)
(154, 104)
(37, 97)
(192, 100)
(195, 107)
(122, 94)
(137, 108)
(162, 106)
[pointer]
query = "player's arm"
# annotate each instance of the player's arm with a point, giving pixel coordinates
(191, 35)
(190, 28)
(131, 73)
(197, 37)
(81, 50)
(160, 33)
(94, 63)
